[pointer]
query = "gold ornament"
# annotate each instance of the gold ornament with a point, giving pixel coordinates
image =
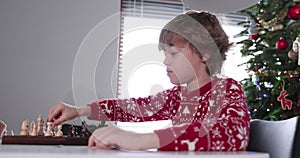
(277, 27)
(282, 14)
(294, 73)
(275, 20)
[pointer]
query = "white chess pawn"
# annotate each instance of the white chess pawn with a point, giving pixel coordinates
(49, 129)
(25, 125)
(31, 128)
(59, 132)
(33, 131)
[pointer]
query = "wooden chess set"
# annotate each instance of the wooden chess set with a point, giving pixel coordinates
(34, 134)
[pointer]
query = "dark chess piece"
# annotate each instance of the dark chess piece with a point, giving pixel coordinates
(102, 124)
(84, 132)
(72, 132)
(89, 128)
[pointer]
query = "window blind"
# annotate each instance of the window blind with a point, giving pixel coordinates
(167, 9)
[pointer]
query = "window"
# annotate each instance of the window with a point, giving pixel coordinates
(141, 71)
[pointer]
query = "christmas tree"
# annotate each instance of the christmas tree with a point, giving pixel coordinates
(272, 45)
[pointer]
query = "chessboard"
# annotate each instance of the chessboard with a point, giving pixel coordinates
(35, 134)
(45, 140)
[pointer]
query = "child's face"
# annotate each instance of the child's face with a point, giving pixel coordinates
(183, 66)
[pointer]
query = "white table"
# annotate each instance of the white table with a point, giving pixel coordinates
(58, 151)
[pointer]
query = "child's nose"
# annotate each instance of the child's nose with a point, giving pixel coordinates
(166, 61)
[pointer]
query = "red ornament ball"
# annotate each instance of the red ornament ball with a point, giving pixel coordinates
(255, 69)
(254, 36)
(282, 44)
(294, 12)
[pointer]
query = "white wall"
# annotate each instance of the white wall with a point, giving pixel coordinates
(40, 40)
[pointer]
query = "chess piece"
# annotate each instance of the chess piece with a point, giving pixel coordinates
(84, 129)
(90, 128)
(31, 128)
(49, 129)
(34, 131)
(59, 133)
(72, 132)
(12, 133)
(84, 132)
(24, 128)
(103, 123)
(40, 126)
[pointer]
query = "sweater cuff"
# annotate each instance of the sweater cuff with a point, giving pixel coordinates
(165, 136)
(95, 111)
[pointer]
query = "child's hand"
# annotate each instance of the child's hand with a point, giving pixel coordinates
(112, 137)
(2, 129)
(62, 112)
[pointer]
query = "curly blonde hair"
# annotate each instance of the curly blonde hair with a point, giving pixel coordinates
(204, 34)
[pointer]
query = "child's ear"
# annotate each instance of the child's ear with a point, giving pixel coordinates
(204, 57)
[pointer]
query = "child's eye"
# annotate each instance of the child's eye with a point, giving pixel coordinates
(170, 53)
(173, 53)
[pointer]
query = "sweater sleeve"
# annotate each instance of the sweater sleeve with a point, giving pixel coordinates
(151, 108)
(225, 126)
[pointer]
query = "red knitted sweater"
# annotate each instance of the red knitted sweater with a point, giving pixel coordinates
(212, 118)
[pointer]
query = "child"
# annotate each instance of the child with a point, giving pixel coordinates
(208, 113)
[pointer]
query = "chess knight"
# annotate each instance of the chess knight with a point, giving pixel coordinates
(25, 125)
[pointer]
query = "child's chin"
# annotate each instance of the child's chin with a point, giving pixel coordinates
(175, 82)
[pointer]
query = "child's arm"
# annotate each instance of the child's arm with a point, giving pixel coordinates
(112, 137)
(150, 108)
